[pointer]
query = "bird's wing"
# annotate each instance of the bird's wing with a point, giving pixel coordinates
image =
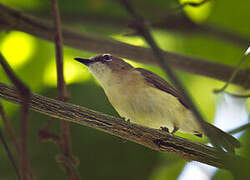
(160, 83)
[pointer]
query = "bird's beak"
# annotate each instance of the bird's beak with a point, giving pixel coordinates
(84, 61)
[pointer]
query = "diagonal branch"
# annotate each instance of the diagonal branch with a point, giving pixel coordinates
(11, 19)
(24, 93)
(13, 137)
(237, 68)
(9, 154)
(240, 129)
(154, 139)
(9, 128)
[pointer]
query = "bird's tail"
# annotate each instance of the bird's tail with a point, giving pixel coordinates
(221, 138)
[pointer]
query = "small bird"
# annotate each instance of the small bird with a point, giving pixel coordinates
(147, 99)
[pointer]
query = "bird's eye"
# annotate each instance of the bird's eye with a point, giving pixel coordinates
(107, 57)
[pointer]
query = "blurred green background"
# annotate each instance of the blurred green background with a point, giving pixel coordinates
(103, 156)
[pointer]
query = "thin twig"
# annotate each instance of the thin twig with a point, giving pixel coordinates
(10, 156)
(239, 129)
(15, 20)
(24, 93)
(63, 94)
(236, 70)
(61, 87)
(238, 95)
(9, 129)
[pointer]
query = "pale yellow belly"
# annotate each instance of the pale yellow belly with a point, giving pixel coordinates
(152, 108)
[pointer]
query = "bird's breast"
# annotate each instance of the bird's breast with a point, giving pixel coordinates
(142, 104)
(146, 105)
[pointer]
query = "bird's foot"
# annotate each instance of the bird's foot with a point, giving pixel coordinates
(128, 120)
(125, 119)
(175, 129)
(165, 129)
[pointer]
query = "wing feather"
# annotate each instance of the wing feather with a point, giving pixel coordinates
(161, 84)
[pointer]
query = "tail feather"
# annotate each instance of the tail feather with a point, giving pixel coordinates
(221, 138)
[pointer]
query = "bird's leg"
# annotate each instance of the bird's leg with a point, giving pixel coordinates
(165, 129)
(175, 129)
(123, 118)
(127, 120)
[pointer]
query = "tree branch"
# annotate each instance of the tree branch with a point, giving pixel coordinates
(14, 20)
(24, 93)
(9, 129)
(58, 39)
(9, 154)
(66, 147)
(239, 129)
(13, 138)
(176, 23)
(237, 68)
(154, 139)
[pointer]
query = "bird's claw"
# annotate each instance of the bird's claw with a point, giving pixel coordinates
(165, 129)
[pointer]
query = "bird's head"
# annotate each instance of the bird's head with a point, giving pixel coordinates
(105, 66)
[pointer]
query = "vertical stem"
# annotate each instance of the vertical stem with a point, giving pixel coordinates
(63, 95)
(9, 128)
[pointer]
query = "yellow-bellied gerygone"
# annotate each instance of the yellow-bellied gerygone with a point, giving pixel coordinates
(147, 99)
